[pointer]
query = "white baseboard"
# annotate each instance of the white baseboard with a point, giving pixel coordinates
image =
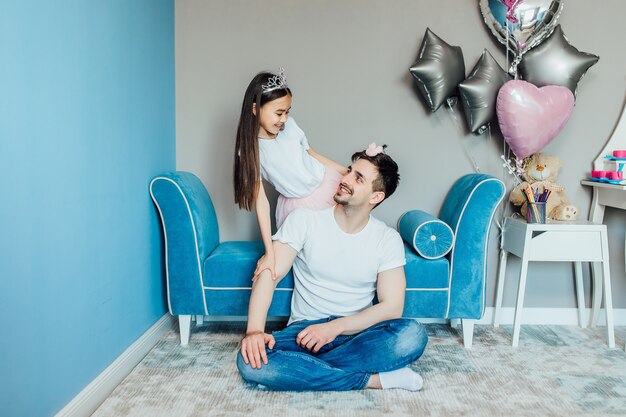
(90, 398)
(556, 316)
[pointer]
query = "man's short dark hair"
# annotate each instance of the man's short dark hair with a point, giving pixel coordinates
(388, 176)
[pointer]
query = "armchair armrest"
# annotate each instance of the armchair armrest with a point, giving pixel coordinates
(469, 209)
(190, 233)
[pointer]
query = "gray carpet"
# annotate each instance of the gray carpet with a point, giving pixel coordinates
(556, 371)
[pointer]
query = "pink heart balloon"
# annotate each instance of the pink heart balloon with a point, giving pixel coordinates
(531, 117)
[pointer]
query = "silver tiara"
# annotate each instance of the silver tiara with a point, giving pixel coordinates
(275, 82)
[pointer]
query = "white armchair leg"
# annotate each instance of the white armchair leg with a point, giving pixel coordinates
(454, 323)
(184, 325)
(199, 320)
(468, 332)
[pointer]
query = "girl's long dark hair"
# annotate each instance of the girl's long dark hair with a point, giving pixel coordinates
(246, 171)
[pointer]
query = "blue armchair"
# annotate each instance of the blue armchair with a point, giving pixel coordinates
(207, 278)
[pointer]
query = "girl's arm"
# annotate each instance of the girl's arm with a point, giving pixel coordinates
(262, 206)
(328, 162)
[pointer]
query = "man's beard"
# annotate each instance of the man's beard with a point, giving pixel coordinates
(339, 200)
(343, 197)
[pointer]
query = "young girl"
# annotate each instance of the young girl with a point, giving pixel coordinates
(272, 146)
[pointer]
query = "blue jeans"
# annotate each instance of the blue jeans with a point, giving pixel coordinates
(344, 364)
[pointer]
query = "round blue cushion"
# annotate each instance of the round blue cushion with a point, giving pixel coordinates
(430, 237)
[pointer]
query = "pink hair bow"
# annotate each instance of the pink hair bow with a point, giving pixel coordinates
(373, 150)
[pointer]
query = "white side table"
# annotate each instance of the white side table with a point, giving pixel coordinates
(577, 242)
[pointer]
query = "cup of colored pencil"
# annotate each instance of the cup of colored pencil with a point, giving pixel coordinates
(536, 204)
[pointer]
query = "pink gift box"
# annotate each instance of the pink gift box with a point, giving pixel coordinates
(615, 175)
(621, 153)
(598, 174)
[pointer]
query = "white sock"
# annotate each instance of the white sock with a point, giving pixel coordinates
(403, 378)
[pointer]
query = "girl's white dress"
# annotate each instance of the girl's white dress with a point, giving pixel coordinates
(301, 180)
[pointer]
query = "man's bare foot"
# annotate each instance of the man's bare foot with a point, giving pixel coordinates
(374, 382)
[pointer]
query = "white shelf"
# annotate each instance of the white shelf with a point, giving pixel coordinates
(606, 185)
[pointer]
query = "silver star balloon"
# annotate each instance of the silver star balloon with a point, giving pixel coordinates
(480, 90)
(555, 62)
(438, 70)
(521, 24)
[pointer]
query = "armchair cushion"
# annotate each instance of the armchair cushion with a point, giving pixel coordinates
(425, 273)
(227, 273)
(430, 237)
(232, 265)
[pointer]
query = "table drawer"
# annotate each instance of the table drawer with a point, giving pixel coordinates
(566, 246)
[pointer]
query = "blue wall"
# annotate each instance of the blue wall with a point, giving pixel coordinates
(87, 117)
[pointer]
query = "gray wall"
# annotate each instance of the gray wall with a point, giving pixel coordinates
(347, 63)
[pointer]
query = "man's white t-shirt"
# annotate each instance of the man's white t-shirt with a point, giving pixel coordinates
(335, 272)
(287, 165)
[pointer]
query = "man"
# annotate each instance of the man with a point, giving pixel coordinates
(336, 339)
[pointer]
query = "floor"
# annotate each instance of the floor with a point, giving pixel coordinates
(556, 371)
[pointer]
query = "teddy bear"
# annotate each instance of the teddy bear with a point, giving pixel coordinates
(540, 171)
